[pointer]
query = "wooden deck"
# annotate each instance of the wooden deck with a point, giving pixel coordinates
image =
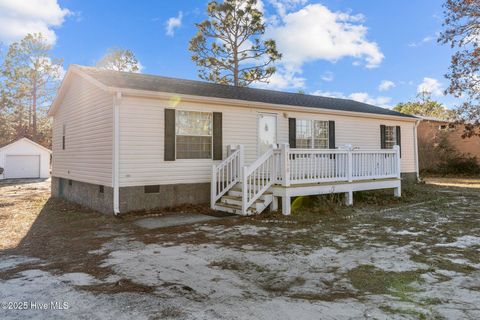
(287, 173)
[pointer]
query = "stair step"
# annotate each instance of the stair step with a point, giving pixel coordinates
(236, 200)
(237, 192)
(232, 208)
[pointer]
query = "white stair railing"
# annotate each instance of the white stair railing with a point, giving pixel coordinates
(257, 178)
(226, 174)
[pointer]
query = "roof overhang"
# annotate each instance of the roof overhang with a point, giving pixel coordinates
(127, 92)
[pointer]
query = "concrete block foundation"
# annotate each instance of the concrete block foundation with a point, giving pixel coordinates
(131, 198)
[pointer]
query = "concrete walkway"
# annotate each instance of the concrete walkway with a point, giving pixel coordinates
(173, 220)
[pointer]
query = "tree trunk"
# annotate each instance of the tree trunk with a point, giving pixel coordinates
(34, 111)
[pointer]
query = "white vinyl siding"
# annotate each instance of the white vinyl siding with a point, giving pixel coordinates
(142, 138)
(85, 119)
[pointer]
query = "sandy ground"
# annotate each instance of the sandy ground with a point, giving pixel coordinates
(414, 258)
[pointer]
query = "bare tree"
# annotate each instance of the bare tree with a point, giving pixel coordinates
(462, 31)
(119, 60)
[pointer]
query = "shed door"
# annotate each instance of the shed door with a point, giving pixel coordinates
(22, 166)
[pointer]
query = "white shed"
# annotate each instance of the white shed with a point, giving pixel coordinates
(24, 158)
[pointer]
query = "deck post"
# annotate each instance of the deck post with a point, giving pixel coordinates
(213, 187)
(399, 168)
(274, 204)
(286, 205)
(397, 192)
(349, 198)
(285, 165)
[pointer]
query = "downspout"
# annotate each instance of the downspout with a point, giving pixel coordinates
(416, 149)
(116, 152)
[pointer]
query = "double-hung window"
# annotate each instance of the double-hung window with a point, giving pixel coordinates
(312, 134)
(194, 134)
(390, 137)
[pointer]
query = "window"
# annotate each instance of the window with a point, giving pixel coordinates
(101, 189)
(194, 135)
(152, 189)
(390, 137)
(443, 127)
(312, 134)
(63, 137)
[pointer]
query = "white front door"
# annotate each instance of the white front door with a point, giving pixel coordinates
(267, 131)
(22, 166)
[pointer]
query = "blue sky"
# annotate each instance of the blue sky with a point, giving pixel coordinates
(374, 51)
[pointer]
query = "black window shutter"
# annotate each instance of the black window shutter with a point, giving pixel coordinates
(292, 132)
(169, 144)
(399, 139)
(217, 136)
(382, 137)
(331, 134)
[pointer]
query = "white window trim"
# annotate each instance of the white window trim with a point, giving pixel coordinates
(312, 126)
(211, 136)
(394, 134)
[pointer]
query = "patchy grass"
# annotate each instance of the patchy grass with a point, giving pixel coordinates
(369, 279)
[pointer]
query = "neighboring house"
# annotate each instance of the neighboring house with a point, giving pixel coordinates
(126, 141)
(24, 158)
(431, 129)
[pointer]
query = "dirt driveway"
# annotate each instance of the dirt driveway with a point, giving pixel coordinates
(418, 257)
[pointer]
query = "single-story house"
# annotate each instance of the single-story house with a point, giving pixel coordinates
(24, 158)
(126, 141)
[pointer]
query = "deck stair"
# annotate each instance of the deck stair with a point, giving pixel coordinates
(231, 202)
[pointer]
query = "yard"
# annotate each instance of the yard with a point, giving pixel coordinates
(417, 257)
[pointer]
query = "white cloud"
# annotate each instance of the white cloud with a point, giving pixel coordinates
(316, 33)
(364, 97)
(327, 76)
(173, 23)
(386, 85)
(430, 85)
(282, 6)
(283, 79)
(18, 18)
(426, 39)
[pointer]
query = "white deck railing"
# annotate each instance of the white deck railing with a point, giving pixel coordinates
(287, 167)
(226, 174)
(257, 178)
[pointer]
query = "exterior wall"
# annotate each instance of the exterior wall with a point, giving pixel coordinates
(83, 193)
(142, 139)
(428, 134)
(25, 147)
(87, 113)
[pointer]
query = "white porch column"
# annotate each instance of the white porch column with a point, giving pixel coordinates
(241, 163)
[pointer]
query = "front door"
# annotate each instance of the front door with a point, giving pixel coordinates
(267, 131)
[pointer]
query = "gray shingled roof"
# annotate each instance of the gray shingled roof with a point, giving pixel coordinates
(198, 88)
